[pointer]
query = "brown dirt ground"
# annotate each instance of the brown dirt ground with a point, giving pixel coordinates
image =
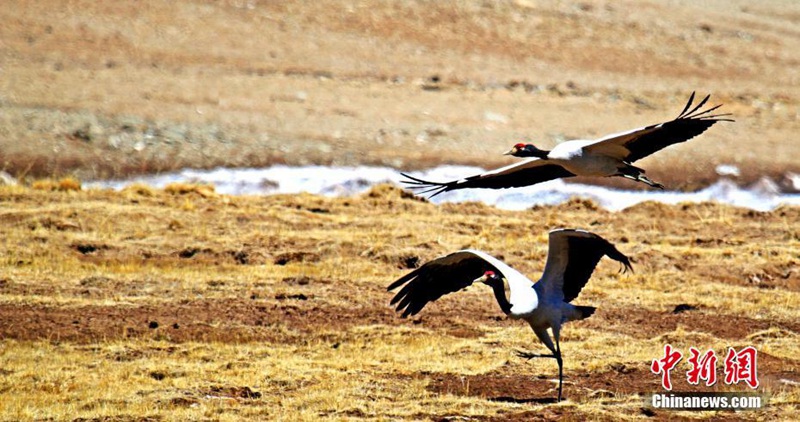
(255, 319)
(107, 90)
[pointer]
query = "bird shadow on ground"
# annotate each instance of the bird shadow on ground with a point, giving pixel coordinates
(537, 400)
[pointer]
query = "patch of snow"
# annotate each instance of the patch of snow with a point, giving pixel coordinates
(7, 179)
(345, 181)
(728, 170)
(793, 181)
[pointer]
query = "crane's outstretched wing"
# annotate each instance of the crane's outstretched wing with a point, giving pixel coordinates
(571, 258)
(444, 275)
(525, 173)
(639, 143)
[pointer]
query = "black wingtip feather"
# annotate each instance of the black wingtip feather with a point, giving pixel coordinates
(716, 117)
(691, 122)
(441, 190)
(429, 186)
(418, 181)
(697, 107)
(688, 104)
(413, 180)
(400, 281)
(687, 114)
(703, 112)
(694, 114)
(404, 304)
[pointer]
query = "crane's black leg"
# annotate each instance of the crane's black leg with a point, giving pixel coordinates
(560, 367)
(542, 334)
(637, 174)
(644, 179)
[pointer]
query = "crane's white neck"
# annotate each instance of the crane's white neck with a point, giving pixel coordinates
(522, 297)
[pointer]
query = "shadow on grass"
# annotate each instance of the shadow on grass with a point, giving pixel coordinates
(537, 400)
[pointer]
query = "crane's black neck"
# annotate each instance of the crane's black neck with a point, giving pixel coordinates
(531, 151)
(540, 153)
(500, 294)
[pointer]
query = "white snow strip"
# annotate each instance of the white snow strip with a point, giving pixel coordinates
(345, 181)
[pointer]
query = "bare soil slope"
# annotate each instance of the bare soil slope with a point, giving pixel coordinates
(108, 89)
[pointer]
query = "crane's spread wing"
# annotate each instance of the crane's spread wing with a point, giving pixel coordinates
(571, 259)
(441, 276)
(639, 143)
(524, 173)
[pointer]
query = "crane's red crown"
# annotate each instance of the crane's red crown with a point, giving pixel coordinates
(489, 273)
(519, 145)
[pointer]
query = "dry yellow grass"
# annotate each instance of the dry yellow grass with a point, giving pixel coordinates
(187, 188)
(146, 304)
(65, 184)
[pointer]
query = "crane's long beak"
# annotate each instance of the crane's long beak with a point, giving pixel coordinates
(512, 151)
(482, 279)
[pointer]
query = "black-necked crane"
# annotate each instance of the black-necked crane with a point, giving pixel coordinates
(571, 258)
(611, 155)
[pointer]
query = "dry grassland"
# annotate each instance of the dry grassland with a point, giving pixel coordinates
(186, 305)
(181, 304)
(106, 89)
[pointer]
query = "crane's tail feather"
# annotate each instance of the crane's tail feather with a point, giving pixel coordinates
(585, 311)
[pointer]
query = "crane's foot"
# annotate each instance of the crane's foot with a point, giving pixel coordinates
(529, 355)
(637, 174)
(645, 179)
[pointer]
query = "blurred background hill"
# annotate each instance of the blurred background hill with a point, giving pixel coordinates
(109, 89)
